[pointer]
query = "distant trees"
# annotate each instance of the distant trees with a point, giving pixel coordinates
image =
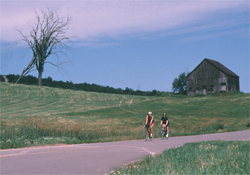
(31, 80)
(179, 85)
(47, 37)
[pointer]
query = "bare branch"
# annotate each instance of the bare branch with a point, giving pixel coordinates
(26, 70)
(56, 65)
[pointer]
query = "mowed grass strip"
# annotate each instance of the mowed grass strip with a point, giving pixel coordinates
(212, 157)
(22, 101)
(82, 117)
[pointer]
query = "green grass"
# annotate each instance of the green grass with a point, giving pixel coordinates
(32, 115)
(212, 157)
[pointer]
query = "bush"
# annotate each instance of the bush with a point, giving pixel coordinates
(199, 95)
(179, 85)
(163, 94)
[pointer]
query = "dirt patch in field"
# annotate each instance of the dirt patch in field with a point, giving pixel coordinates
(120, 103)
(234, 99)
(130, 101)
(128, 111)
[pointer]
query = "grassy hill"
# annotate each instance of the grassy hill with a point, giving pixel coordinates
(32, 115)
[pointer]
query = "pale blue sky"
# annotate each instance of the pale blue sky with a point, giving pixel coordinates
(137, 44)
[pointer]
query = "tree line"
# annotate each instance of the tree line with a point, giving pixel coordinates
(31, 80)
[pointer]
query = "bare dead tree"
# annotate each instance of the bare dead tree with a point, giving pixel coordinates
(47, 37)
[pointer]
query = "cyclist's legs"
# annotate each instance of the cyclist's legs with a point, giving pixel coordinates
(167, 129)
(151, 130)
(164, 127)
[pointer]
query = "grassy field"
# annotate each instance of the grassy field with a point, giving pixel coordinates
(213, 157)
(32, 115)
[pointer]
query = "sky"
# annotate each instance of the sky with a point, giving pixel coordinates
(142, 45)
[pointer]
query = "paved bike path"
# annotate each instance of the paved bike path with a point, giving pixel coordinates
(95, 158)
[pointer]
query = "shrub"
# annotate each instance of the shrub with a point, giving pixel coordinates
(199, 95)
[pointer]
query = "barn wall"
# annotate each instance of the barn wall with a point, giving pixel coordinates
(206, 78)
(233, 84)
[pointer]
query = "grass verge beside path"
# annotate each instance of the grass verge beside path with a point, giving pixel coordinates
(212, 157)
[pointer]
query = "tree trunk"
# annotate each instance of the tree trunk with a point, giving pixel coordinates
(40, 78)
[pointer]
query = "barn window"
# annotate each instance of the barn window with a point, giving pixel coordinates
(190, 88)
(211, 88)
(204, 86)
(197, 88)
(223, 86)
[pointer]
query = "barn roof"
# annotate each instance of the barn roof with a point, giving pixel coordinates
(219, 66)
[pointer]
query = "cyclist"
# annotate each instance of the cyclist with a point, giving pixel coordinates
(150, 121)
(165, 123)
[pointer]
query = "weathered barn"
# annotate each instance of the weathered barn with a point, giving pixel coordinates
(211, 76)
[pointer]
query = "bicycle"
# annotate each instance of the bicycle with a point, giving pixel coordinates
(148, 132)
(162, 131)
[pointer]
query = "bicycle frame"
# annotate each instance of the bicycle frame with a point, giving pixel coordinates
(163, 131)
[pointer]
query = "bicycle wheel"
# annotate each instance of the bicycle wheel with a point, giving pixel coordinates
(152, 137)
(162, 134)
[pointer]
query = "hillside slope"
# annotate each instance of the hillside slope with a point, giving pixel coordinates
(21, 101)
(95, 117)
